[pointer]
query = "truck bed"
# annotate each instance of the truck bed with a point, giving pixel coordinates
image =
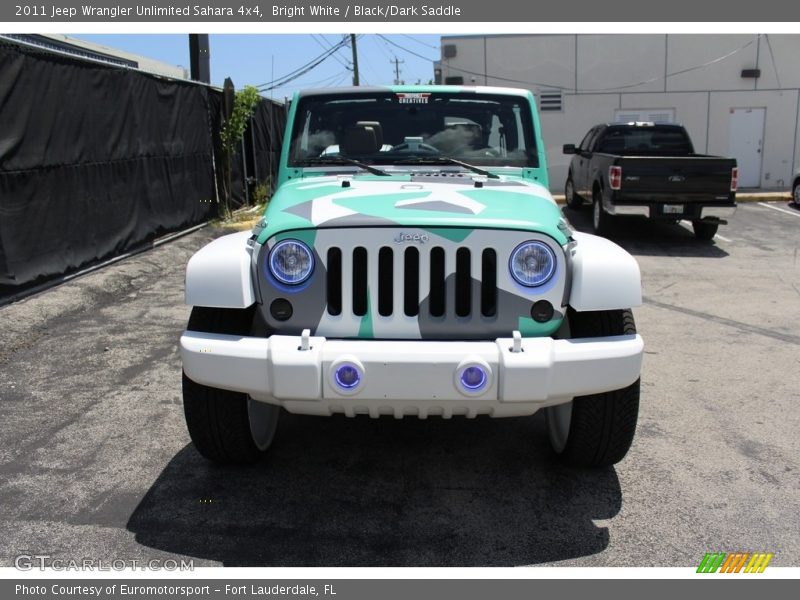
(688, 179)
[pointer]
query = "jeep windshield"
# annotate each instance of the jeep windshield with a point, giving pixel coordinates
(407, 129)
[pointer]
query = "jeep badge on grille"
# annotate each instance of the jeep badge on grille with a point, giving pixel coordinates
(420, 238)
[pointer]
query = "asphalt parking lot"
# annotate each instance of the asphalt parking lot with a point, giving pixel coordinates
(95, 460)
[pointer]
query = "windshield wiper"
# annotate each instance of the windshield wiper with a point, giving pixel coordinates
(446, 160)
(343, 160)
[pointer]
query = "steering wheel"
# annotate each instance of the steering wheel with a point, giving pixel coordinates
(424, 148)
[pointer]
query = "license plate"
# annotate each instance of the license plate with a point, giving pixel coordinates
(673, 209)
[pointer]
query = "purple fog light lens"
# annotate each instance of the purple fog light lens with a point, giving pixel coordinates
(473, 378)
(347, 377)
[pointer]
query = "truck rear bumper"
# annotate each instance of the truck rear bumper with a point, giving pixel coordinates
(643, 211)
(718, 212)
(418, 378)
(690, 211)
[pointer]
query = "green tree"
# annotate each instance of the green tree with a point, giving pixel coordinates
(233, 128)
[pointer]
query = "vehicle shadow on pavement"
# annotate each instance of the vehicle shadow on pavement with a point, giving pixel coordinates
(641, 236)
(362, 492)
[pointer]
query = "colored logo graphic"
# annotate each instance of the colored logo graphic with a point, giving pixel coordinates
(734, 562)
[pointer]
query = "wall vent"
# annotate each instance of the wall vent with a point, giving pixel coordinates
(449, 50)
(652, 115)
(551, 100)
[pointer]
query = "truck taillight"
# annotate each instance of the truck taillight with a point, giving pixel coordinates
(615, 177)
(734, 178)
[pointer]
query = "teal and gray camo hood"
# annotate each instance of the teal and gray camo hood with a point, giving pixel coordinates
(424, 201)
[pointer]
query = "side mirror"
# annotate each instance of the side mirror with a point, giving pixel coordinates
(569, 149)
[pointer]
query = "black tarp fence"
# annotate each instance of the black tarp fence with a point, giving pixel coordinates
(265, 135)
(97, 160)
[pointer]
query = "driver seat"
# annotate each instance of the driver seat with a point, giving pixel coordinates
(376, 125)
(359, 140)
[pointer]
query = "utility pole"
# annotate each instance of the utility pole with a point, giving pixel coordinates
(397, 62)
(355, 58)
(199, 57)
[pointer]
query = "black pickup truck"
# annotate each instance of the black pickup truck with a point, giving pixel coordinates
(650, 169)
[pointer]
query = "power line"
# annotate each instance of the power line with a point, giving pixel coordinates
(291, 76)
(330, 81)
(510, 80)
(396, 45)
(367, 66)
(772, 58)
(383, 47)
(281, 81)
(327, 46)
(412, 38)
(326, 80)
(680, 72)
(341, 80)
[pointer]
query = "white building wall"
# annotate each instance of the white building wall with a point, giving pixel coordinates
(697, 76)
(784, 72)
(626, 63)
(779, 130)
(512, 56)
(686, 52)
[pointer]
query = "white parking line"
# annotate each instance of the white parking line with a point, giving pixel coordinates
(783, 210)
(723, 238)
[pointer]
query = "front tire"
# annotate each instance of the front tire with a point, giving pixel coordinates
(596, 430)
(796, 193)
(226, 427)
(705, 231)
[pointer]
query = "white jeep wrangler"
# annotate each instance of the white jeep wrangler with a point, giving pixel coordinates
(412, 263)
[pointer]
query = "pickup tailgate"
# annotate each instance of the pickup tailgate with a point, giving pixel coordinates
(694, 178)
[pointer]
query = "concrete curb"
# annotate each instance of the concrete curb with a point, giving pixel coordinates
(740, 197)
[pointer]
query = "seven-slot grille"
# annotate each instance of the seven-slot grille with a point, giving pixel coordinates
(410, 280)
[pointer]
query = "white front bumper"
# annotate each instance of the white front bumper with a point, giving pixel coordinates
(417, 378)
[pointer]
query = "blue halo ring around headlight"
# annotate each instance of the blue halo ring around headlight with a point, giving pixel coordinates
(473, 378)
(347, 376)
(544, 252)
(280, 272)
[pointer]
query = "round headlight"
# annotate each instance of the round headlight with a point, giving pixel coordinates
(532, 263)
(291, 262)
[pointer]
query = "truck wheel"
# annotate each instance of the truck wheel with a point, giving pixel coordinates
(573, 200)
(601, 220)
(596, 430)
(705, 231)
(226, 427)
